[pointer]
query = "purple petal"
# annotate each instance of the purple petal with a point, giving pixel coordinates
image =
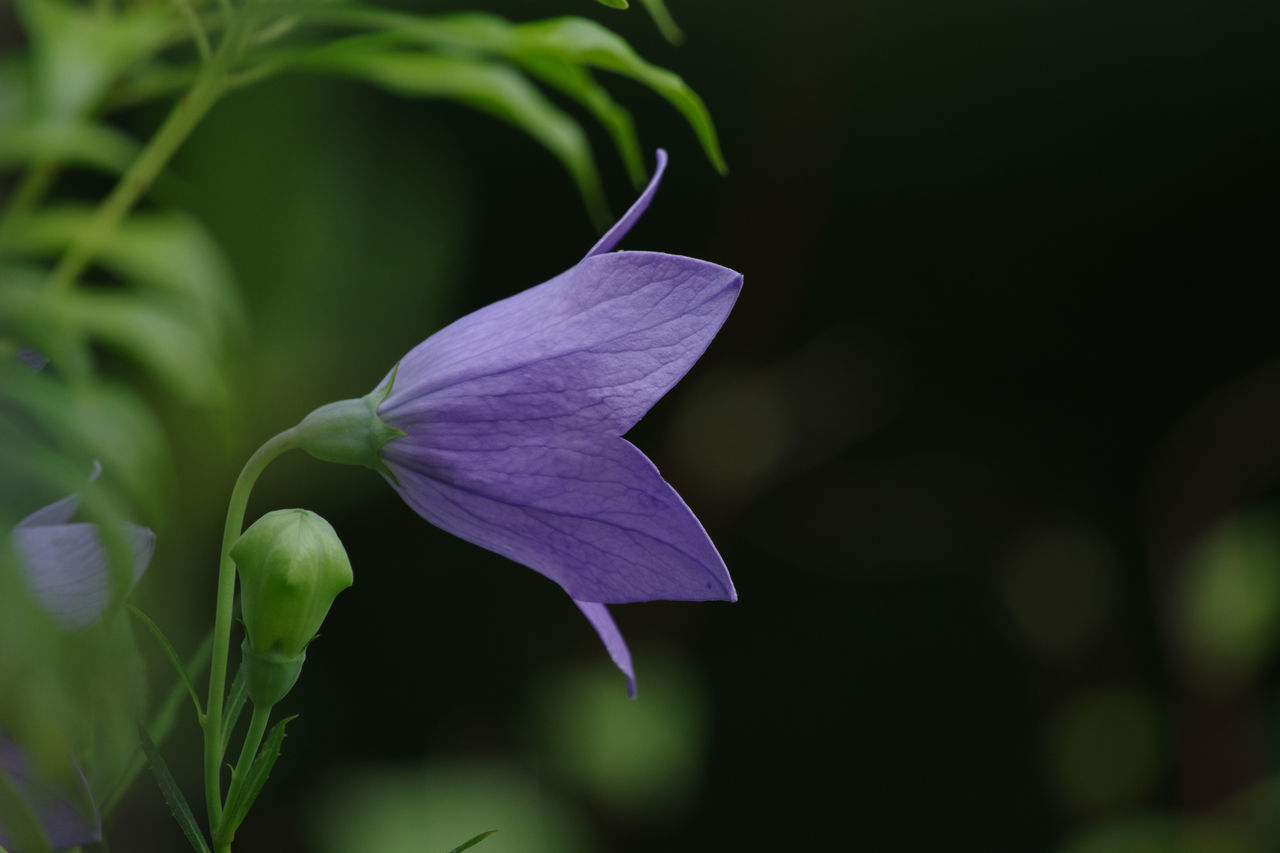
(31, 358)
(68, 817)
(598, 615)
(68, 570)
(592, 349)
(588, 511)
(633, 214)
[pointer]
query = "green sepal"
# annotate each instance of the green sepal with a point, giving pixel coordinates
(350, 432)
(270, 675)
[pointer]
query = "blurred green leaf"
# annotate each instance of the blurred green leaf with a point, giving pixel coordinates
(161, 338)
(169, 253)
(77, 51)
(80, 143)
(666, 24)
(613, 4)
(102, 422)
(409, 810)
(490, 87)
(1229, 602)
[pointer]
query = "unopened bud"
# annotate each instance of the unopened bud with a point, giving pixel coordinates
(291, 566)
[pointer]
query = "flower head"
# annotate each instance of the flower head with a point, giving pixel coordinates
(512, 421)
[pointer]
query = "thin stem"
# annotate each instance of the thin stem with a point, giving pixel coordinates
(223, 835)
(263, 456)
(197, 29)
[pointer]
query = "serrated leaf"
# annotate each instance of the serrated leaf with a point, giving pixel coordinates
(172, 793)
(238, 809)
(472, 842)
(589, 43)
(490, 87)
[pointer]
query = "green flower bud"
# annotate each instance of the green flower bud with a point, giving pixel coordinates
(349, 432)
(291, 566)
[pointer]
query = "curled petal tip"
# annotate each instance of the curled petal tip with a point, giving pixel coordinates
(633, 214)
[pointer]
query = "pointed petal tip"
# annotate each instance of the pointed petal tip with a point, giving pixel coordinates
(615, 234)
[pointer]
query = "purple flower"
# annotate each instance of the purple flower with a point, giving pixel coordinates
(505, 428)
(65, 809)
(69, 573)
(513, 419)
(66, 562)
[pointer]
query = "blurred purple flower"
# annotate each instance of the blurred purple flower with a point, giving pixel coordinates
(513, 418)
(66, 562)
(68, 571)
(66, 811)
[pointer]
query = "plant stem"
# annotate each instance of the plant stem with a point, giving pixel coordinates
(182, 119)
(263, 456)
(224, 835)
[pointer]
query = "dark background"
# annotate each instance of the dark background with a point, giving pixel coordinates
(990, 444)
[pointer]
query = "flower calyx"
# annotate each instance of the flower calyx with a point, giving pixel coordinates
(350, 432)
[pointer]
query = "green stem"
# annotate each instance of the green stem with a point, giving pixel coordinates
(281, 443)
(182, 119)
(224, 835)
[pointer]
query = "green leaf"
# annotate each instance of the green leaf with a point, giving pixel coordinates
(588, 43)
(76, 51)
(577, 83)
(167, 253)
(612, 4)
(473, 841)
(172, 793)
(666, 24)
(238, 809)
(234, 706)
(161, 338)
(99, 421)
(488, 86)
(81, 143)
(172, 654)
(556, 51)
